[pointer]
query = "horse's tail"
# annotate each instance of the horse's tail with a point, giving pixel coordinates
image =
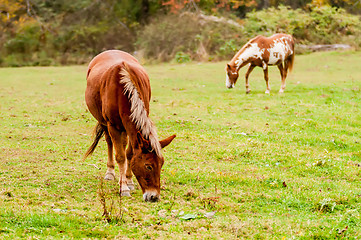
(98, 134)
(291, 60)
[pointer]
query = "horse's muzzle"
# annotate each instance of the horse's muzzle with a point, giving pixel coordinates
(151, 196)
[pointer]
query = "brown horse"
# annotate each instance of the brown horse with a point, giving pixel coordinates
(263, 51)
(117, 95)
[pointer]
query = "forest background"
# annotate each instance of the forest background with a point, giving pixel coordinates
(59, 32)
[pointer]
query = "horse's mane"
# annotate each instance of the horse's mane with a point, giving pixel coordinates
(139, 113)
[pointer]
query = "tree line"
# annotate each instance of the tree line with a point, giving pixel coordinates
(43, 32)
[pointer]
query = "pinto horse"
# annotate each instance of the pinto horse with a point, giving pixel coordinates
(117, 95)
(263, 51)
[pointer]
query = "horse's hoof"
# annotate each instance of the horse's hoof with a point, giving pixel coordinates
(267, 92)
(248, 91)
(130, 186)
(281, 91)
(109, 176)
(125, 193)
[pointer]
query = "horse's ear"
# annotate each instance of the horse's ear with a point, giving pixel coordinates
(167, 141)
(228, 66)
(142, 142)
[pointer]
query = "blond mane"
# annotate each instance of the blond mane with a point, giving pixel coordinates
(139, 114)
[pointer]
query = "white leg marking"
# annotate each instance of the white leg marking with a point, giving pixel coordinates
(125, 191)
(110, 174)
(264, 65)
(130, 184)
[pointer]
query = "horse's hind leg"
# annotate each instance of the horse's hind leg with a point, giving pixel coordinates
(129, 174)
(265, 72)
(119, 139)
(283, 72)
(110, 174)
(251, 67)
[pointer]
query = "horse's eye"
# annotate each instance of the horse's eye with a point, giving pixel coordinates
(148, 167)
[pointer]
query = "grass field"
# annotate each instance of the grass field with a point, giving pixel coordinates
(277, 166)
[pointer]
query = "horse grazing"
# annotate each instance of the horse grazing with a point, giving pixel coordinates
(117, 95)
(263, 51)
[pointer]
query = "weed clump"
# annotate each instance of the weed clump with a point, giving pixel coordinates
(111, 203)
(326, 205)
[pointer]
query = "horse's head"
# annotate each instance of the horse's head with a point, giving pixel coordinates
(146, 166)
(231, 76)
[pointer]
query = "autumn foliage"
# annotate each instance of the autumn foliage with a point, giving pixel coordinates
(175, 6)
(14, 15)
(39, 32)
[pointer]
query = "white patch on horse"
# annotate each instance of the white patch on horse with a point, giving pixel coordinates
(228, 82)
(139, 115)
(253, 51)
(150, 194)
(264, 65)
(279, 50)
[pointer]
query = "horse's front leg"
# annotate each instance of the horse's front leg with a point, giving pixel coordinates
(129, 173)
(251, 67)
(265, 72)
(119, 139)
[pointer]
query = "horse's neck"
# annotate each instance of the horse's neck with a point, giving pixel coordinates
(240, 58)
(245, 55)
(138, 94)
(152, 140)
(140, 122)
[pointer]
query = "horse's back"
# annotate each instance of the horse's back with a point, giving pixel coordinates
(107, 66)
(103, 61)
(266, 41)
(276, 48)
(280, 35)
(287, 38)
(104, 93)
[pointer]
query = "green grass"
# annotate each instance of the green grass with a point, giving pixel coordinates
(275, 166)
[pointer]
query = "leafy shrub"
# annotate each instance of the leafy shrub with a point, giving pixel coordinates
(18, 49)
(166, 36)
(222, 40)
(273, 20)
(187, 33)
(330, 25)
(12, 60)
(321, 25)
(229, 48)
(182, 57)
(26, 41)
